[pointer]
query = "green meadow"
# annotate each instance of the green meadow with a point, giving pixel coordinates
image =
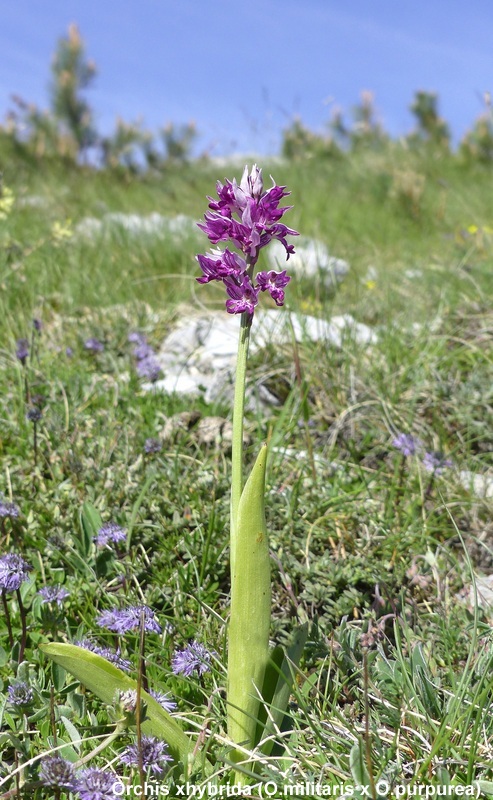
(378, 555)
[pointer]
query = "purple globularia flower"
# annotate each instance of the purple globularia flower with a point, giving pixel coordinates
(69, 352)
(106, 652)
(13, 572)
(135, 337)
(149, 368)
(22, 350)
(193, 658)
(8, 510)
(97, 784)
(406, 443)
(57, 772)
(54, 594)
(37, 324)
(164, 700)
(143, 350)
(111, 532)
(154, 754)
(152, 446)
(20, 694)
(34, 414)
(93, 345)
(247, 217)
(129, 619)
(436, 462)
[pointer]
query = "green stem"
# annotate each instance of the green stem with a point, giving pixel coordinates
(238, 415)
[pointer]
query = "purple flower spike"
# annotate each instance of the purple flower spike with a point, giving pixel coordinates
(406, 443)
(436, 462)
(247, 217)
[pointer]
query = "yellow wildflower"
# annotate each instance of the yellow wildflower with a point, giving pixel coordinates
(62, 230)
(6, 201)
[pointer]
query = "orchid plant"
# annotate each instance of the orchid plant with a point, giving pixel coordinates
(246, 218)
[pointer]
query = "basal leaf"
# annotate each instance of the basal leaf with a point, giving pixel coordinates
(104, 680)
(250, 609)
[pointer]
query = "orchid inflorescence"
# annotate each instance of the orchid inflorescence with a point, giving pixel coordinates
(248, 218)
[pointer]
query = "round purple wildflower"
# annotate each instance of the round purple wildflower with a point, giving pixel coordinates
(143, 350)
(107, 653)
(57, 772)
(93, 345)
(97, 784)
(406, 443)
(54, 594)
(111, 532)
(129, 619)
(20, 694)
(13, 572)
(9, 510)
(137, 338)
(34, 414)
(149, 368)
(152, 446)
(22, 350)
(37, 324)
(436, 462)
(164, 700)
(193, 658)
(154, 755)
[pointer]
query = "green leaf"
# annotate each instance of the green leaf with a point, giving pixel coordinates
(90, 523)
(59, 675)
(73, 733)
(278, 682)
(104, 679)
(486, 787)
(357, 765)
(249, 624)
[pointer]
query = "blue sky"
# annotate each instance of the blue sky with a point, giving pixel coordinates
(243, 70)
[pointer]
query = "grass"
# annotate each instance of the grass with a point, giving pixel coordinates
(394, 687)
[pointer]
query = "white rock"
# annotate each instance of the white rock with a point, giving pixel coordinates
(153, 224)
(480, 484)
(311, 259)
(481, 591)
(182, 383)
(199, 355)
